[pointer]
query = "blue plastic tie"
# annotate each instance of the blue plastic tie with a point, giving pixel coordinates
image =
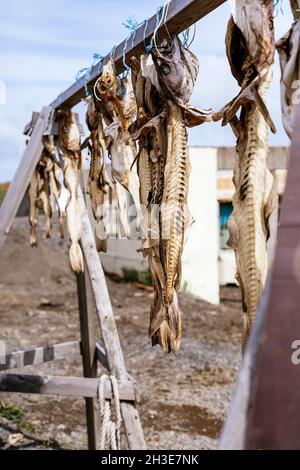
(83, 75)
(158, 18)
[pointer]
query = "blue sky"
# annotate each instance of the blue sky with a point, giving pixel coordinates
(44, 43)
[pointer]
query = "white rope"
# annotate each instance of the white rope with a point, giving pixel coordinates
(109, 430)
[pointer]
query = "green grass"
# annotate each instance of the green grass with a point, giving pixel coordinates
(2, 195)
(11, 411)
(132, 275)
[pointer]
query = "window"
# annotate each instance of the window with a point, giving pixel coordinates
(225, 211)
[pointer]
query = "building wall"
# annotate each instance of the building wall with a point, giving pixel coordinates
(200, 257)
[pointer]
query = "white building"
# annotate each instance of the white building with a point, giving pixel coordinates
(207, 261)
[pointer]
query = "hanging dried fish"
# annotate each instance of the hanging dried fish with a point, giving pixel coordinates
(163, 85)
(98, 182)
(44, 183)
(54, 171)
(250, 50)
(289, 54)
(69, 143)
(121, 146)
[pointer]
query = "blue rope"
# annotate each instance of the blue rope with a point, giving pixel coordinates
(83, 75)
(158, 18)
(187, 42)
(124, 56)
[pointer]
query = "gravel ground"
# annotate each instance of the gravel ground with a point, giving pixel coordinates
(183, 399)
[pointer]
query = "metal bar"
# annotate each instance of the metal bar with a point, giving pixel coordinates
(65, 386)
(181, 14)
(39, 355)
(274, 411)
(19, 185)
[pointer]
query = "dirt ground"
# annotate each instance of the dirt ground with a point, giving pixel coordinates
(183, 399)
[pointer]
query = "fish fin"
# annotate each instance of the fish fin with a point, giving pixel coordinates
(194, 117)
(264, 111)
(269, 207)
(233, 233)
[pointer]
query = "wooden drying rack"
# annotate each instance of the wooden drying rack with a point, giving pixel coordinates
(93, 295)
(265, 408)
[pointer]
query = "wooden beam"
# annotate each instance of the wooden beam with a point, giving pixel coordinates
(108, 327)
(235, 427)
(29, 357)
(275, 406)
(65, 386)
(88, 350)
(19, 185)
(181, 15)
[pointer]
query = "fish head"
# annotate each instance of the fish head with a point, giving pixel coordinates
(107, 84)
(68, 132)
(176, 68)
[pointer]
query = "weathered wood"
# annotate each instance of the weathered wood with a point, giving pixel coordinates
(18, 187)
(65, 386)
(52, 125)
(108, 327)
(275, 406)
(234, 430)
(181, 15)
(88, 350)
(29, 357)
(101, 355)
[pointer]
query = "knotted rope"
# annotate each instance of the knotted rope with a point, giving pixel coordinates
(109, 429)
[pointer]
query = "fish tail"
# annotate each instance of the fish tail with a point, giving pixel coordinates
(166, 324)
(76, 257)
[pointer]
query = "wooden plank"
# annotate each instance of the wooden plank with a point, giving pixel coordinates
(22, 176)
(108, 327)
(275, 406)
(235, 427)
(29, 357)
(181, 15)
(65, 386)
(89, 359)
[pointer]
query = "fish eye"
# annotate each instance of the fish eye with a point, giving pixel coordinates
(65, 130)
(165, 69)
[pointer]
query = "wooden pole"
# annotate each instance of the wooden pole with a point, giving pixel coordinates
(275, 407)
(133, 428)
(88, 351)
(19, 185)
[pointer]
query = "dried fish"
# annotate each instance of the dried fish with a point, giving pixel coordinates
(163, 83)
(69, 143)
(250, 50)
(44, 183)
(288, 48)
(121, 146)
(98, 182)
